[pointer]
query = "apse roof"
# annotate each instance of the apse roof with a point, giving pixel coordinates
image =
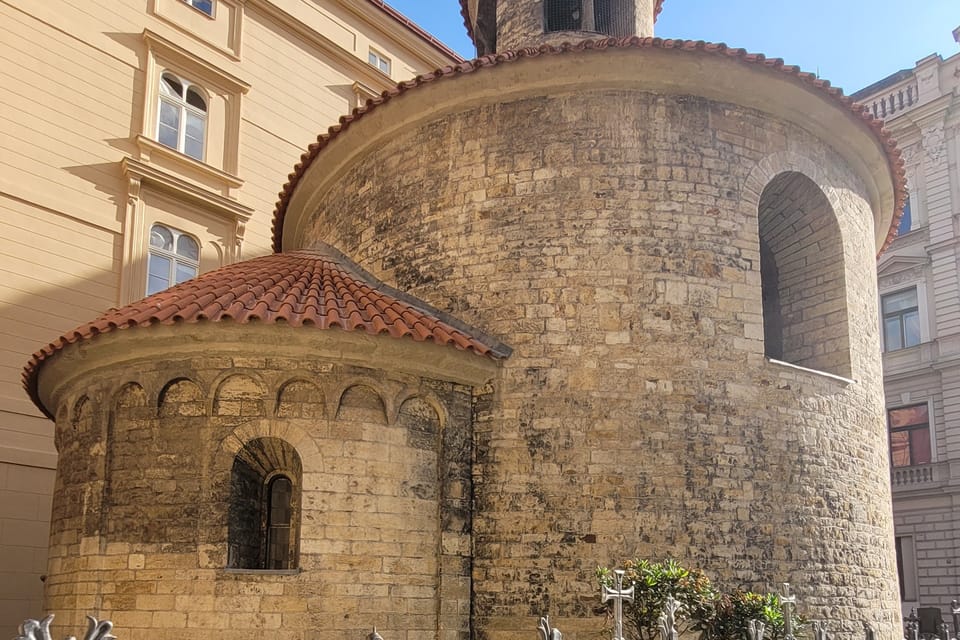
(700, 47)
(319, 288)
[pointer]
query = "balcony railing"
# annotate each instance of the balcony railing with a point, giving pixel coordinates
(915, 477)
(892, 101)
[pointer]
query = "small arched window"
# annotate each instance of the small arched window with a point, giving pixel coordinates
(174, 257)
(182, 121)
(263, 519)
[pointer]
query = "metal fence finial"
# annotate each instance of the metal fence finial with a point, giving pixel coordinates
(755, 629)
(546, 633)
(40, 629)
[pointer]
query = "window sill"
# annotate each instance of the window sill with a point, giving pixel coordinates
(223, 206)
(816, 372)
(263, 572)
(149, 147)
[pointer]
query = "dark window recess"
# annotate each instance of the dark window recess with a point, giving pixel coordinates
(263, 517)
(609, 17)
(564, 15)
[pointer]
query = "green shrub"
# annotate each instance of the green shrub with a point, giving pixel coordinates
(704, 611)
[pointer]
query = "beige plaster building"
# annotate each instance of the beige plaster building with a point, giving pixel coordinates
(141, 143)
(594, 295)
(920, 322)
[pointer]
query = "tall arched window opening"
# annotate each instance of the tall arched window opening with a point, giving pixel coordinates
(173, 257)
(263, 522)
(804, 299)
(182, 121)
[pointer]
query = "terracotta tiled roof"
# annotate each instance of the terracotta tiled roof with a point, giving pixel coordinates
(700, 47)
(320, 288)
(465, 12)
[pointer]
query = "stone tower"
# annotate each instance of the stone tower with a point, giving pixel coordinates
(605, 299)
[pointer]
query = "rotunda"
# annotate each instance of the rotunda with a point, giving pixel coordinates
(600, 295)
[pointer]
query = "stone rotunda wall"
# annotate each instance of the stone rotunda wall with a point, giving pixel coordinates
(612, 237)
(144, 523)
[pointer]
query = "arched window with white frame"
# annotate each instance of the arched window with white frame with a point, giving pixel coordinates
(174, 257)
(182, 119)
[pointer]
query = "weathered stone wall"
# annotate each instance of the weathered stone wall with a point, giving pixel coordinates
(520, 23)
(383, 497)
(611, 238)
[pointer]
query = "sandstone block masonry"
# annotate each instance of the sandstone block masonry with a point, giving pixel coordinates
(613, 238)
(145, 523)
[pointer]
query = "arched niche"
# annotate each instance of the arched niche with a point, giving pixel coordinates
(362, 403)
(300, 398)
(180, 397)
(239, 395)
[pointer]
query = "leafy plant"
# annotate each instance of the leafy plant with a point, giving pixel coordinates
(704, 611)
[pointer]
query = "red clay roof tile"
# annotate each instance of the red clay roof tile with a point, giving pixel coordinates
(319, 287)
(894, 161)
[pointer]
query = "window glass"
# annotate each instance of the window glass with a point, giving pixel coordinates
(194, 99)
(187, 247)
(158, 278)
(379, 61)
(909, 435)
(167, 266)
(906, 221)
(901, 320)
(203, 5)
(182, 119)
(161, 237)
(278, 528)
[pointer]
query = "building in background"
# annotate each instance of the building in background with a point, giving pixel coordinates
(919, 281)
(142, 143)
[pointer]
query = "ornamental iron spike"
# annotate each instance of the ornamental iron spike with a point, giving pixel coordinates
(955, 613)
(668, 619)
(820, 631)
(40, 629)
(546, 633)
(944, 631)
(869, 633)
(755, 629)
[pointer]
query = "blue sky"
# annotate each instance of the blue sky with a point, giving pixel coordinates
(852, 43)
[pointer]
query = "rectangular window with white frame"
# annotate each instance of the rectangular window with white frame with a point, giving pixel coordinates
(901, 319)
(379, 61)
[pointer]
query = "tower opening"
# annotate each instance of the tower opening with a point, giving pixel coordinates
(609, 17)
(802, 276)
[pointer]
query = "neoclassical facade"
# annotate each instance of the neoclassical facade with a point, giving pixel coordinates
(555, 307)
(918, 317)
